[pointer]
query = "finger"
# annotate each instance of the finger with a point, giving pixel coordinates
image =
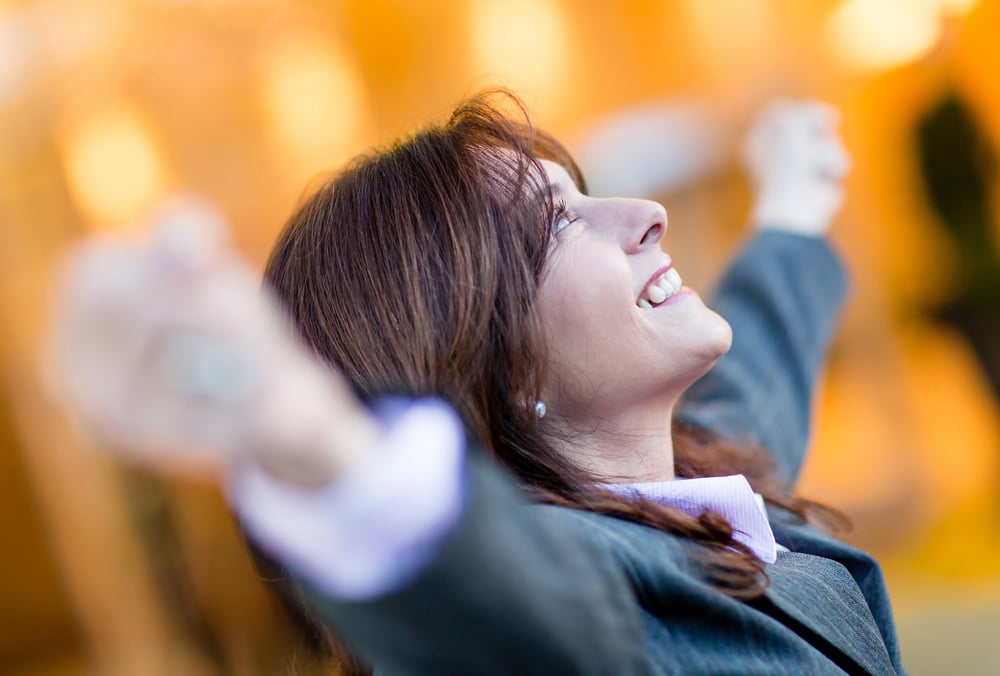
(91, 316)
(101, 271)
(165, 453)
(822, 115)
(814, 128)
(189, 238)
(836, 161)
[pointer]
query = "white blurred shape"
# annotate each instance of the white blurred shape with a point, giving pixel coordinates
(651, 149)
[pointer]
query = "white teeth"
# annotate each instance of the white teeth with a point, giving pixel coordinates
(660, 289)
(674, 278)
(656, 294)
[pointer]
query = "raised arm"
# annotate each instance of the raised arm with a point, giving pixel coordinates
(783, 292)
(165, 351)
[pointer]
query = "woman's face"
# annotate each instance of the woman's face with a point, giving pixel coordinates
(621, 330)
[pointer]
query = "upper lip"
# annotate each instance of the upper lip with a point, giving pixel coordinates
(655, 276)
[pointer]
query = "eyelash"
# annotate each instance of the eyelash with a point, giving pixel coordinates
(562, 214)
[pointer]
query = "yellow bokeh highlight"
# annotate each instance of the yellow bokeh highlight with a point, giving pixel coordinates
(114, 169)
(879, 34)
(958, 6)
(733, 35)
(314, 99)
(523, 44)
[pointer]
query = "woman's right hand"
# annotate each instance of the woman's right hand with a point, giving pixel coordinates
(168, 351)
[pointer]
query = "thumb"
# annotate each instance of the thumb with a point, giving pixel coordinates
(189, 237)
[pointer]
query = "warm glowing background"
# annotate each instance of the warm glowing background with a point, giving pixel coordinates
(107, 106)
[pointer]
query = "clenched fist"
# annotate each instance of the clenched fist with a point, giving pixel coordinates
(797, 163)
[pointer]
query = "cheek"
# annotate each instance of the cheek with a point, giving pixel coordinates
(581, 298)
(587, 312)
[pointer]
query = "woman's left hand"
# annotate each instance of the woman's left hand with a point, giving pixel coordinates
(797, 162)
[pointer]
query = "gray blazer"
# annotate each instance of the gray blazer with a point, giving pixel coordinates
(518, 588)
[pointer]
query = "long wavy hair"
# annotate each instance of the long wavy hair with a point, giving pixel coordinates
(415, 271)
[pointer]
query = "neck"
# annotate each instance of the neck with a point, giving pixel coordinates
(628, 446)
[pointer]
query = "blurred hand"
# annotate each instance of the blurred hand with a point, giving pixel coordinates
(797, 163)
(169, 352)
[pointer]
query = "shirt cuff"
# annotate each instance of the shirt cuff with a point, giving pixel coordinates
(374, 528)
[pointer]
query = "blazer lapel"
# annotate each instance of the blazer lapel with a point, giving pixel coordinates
(824, 605)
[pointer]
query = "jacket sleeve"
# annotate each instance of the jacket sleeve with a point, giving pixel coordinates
(513, 588)
(782, 296)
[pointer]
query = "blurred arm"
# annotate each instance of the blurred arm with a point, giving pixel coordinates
(427, 559)
(647, 150)
(783, 293)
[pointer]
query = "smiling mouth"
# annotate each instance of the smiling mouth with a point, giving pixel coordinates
(661, 287)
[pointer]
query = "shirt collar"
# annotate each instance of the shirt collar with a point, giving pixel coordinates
(731, 497)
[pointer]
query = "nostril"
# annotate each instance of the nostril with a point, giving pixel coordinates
(653, 234)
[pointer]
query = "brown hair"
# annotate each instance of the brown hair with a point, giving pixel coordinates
(415, 270)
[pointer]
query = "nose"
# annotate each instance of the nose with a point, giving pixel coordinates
(643, 225)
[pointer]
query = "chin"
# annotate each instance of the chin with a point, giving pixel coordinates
(718, 338)
(716, 344)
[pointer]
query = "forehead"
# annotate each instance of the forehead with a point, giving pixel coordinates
(557, 177)
(553, 179)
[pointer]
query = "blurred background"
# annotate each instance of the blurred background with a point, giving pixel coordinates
(108, 106)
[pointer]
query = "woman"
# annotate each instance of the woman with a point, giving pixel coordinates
(466, 269)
